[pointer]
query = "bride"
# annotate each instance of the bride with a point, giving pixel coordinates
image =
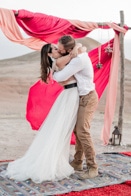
(48, 156)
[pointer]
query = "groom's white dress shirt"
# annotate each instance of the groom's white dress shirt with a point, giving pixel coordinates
(82, 69)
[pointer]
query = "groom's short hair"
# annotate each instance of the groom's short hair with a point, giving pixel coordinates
(68, 42)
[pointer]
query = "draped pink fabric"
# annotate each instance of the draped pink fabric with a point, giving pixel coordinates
(45, 28)
(11, 30)
(111, 93)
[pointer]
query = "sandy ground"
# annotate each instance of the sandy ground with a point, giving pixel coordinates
(16, 135)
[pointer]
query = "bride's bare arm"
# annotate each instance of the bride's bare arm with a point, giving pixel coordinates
(62, 61)
(56, 68)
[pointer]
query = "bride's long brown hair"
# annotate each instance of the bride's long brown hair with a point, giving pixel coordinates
(46, 62)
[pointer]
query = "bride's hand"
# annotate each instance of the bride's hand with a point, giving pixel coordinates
(75, 50)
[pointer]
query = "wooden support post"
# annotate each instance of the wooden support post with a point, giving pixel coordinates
(122, 60)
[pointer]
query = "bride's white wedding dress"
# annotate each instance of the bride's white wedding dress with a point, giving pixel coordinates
(48, 156)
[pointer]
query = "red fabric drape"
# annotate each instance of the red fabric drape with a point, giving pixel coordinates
(101, 76)
(46, 27)
(40, 99)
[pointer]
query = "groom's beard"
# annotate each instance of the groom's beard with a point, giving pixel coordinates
(64, 54)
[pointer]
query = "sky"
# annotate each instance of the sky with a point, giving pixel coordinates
(85, 10)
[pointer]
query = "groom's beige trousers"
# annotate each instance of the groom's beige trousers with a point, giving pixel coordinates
(84, 144)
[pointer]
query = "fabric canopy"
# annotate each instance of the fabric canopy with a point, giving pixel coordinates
(46, 28)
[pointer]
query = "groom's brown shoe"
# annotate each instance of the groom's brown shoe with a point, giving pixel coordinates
(91, 173)
(77, 167)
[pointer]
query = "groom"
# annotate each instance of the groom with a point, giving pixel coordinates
(82, 69)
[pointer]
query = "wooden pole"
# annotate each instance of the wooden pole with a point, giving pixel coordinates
(122, 60)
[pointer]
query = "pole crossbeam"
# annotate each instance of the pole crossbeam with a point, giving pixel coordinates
(104, 24)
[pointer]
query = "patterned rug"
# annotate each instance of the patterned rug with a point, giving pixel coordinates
(114, 168)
